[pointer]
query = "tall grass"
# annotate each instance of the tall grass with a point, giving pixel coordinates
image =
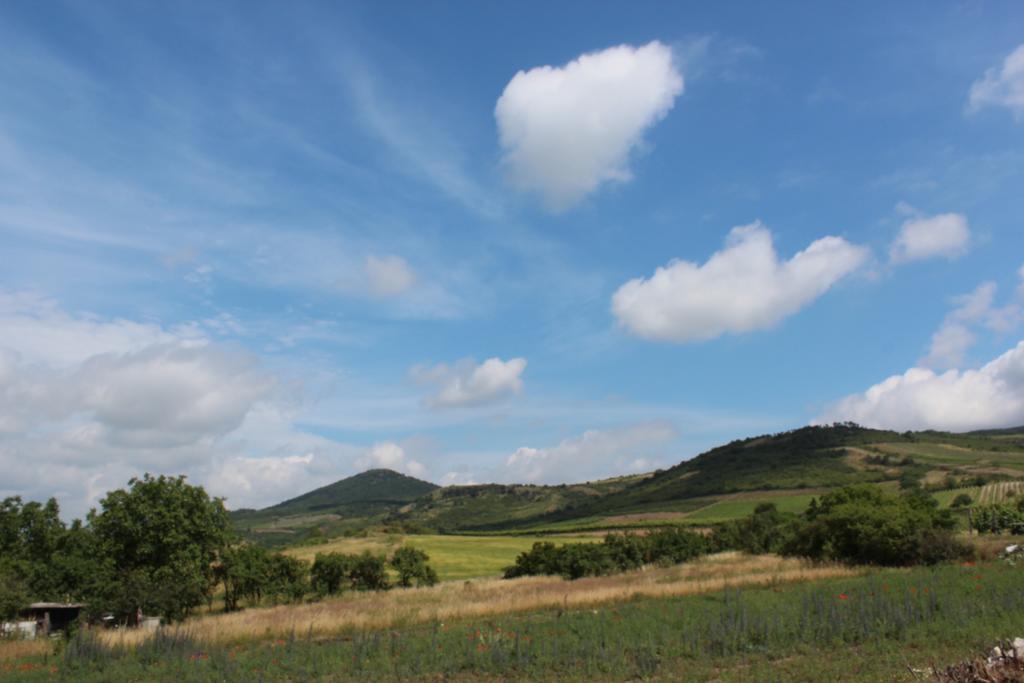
(488, 598)
(808, 628)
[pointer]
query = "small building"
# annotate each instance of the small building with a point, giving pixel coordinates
(52, 616)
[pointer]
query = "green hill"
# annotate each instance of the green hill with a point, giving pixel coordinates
(460, 507)
(792, 466)
(351, 502)
(787, 469)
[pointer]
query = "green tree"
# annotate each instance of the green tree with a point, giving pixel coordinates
(330, 573)
(287, 578)
(161, 539)
(369, 572)
(412, 566)
(244, 572)
(13, 591)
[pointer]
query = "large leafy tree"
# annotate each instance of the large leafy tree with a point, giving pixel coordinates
(40, 558)
(161, 538)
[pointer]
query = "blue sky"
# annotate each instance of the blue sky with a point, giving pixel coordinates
(269, 245)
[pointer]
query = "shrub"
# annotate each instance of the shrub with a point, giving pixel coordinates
(287, 578)
(765, 531)
(542, 558)
(674, 545)
(585, 559)
(962, 501)
(627, 551)
(618, 552)
(863, 524)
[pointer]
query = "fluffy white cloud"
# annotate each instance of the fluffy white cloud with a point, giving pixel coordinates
(388, 275)
(567, 129)
(467, 383)
(954, 337)
(989, 397)
(741, 288)
(946, 235)
(391, 456)
(84, 400)
(1001, 87)
(593, 455)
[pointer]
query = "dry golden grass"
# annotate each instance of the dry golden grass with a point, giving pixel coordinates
(17, 649)
(454, 600)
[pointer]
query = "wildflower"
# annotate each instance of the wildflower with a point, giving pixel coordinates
(844, 596)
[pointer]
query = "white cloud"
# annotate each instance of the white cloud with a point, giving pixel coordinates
(595, 454)
(84, 399)
(391, 456)
(954, 337)
(566, 130)
(989, 397)
(944, 235)
(949, 345)
(467, 383)
(743, 287)
(1001, 87)
(388, 275)
(41, 332)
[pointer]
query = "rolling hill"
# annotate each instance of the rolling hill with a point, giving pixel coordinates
(351, 502)
(787, 469)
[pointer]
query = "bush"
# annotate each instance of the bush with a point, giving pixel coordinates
(618, 552)
(864, 525)
(585, 559)
(962, 501)
(765, 531)
(287, 578)
(542, 558)
(674, 545)
(627, 551)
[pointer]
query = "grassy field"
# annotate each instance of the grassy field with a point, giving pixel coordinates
(854, 626)
(726, 510)
(945, 498)
(454, 557)
(950, 454)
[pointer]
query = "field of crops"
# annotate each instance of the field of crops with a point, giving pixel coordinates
(454, 557)
(999, 491)
(725, 510)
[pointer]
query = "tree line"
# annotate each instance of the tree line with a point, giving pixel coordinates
(857, 524)
(162, 546)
